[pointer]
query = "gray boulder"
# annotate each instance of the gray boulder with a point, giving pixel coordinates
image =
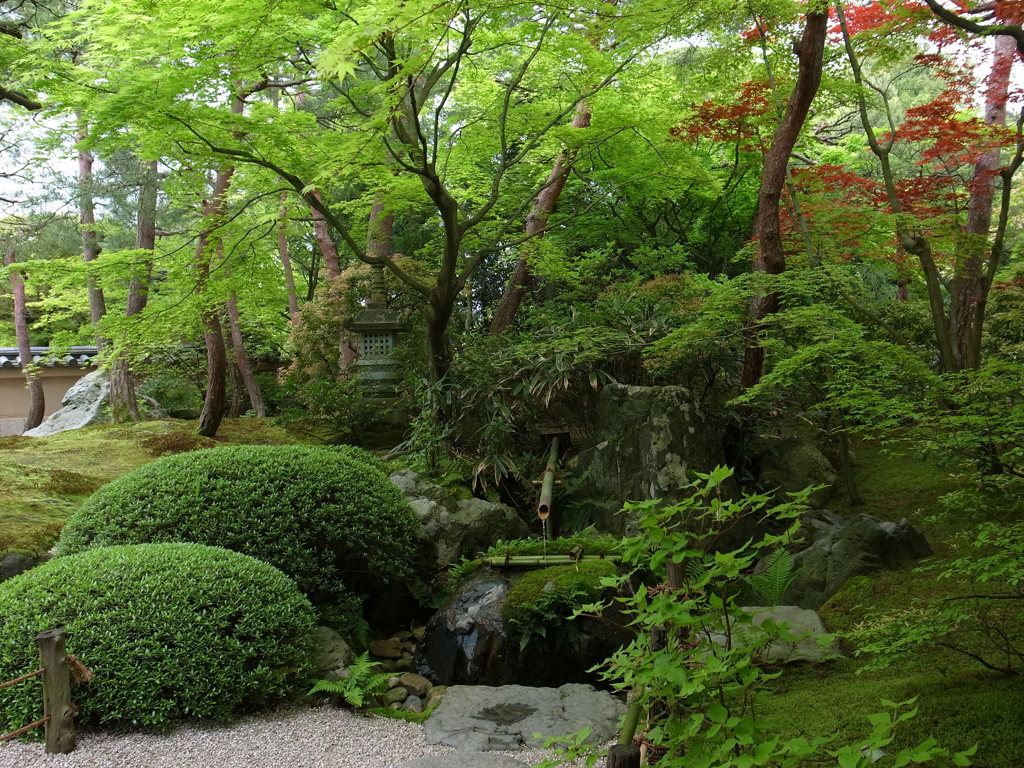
(469, 642)
(87, 402)
(463, 760)
(451, 527)
(645, 441)
(844, 547)
(467, 639)
(793, 634)
(797, 464)
(484, 718)
(331, 654)
(14, 563)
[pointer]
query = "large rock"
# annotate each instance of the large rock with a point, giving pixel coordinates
(844, 547)
(484, 718)
(87, 402)
(798, 464)
(463, 760)
(453, 528)
(798, 634)
(646, 440)
(331, 655)
(468, 640)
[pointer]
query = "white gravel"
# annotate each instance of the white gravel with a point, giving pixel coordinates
(323, 737)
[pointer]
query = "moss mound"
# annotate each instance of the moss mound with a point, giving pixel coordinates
(328, 517)
(170, 630)
(550, 594)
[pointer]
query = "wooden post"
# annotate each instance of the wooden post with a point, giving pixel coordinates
(60, 728)
(623, 756)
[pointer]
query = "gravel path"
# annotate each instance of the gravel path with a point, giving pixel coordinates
(325, 737)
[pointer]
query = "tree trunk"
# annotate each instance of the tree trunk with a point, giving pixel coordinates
(969, 289)
(87, 224)
(216, 357)
(235, 395)
(124, 404)
(252, 386)
(543, 206)
(767, 227)
(286, 259)
(323, 239)
(36, 399)
(215, 398)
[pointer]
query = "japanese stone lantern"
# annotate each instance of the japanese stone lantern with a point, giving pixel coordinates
(377, 327)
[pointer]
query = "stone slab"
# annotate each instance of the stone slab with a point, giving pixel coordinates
(504, 718)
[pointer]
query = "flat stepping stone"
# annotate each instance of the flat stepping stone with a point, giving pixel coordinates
(484, 718)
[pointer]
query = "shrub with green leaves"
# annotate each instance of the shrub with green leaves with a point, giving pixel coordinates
(170, 631)
(328, 517)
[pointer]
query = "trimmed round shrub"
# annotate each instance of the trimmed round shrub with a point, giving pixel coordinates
(170, 631)
(328, 517)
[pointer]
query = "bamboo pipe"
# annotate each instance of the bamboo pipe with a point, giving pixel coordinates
(548, 482)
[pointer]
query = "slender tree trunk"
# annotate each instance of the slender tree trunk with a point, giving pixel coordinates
(242, 361)
(770, 258)
(323, 239)
(543, 206)
(124, 404)
(969, 289)
(36, 398)
(87, 224)
(235, 397)
(286, 259)
(216, 357)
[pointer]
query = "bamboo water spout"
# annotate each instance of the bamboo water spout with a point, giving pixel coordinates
(548, 481)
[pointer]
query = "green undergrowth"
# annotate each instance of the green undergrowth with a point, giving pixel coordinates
(45, 479)
(896, 481)
(958, 702)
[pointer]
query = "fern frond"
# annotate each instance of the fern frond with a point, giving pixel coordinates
(360, 683)
(772, 582)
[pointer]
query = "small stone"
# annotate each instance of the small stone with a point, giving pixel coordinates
(403, 635)
(417, 685)
(439, 690)
(394, 682)
(418, 633)
(388, 665)
(433, 701)
(386, 649)
(396, 695)
(413, 704)
(403, 665)
(396, 705)
(14, 563)
(409, 647)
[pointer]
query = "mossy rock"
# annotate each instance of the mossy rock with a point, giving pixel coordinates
(549, 594)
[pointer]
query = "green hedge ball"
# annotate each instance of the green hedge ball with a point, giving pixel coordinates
(170, 631)
(328, 517)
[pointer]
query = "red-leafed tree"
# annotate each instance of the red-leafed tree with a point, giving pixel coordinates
(942, 221)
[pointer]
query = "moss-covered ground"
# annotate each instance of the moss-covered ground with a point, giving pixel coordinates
(958, 702)
(44, 479)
